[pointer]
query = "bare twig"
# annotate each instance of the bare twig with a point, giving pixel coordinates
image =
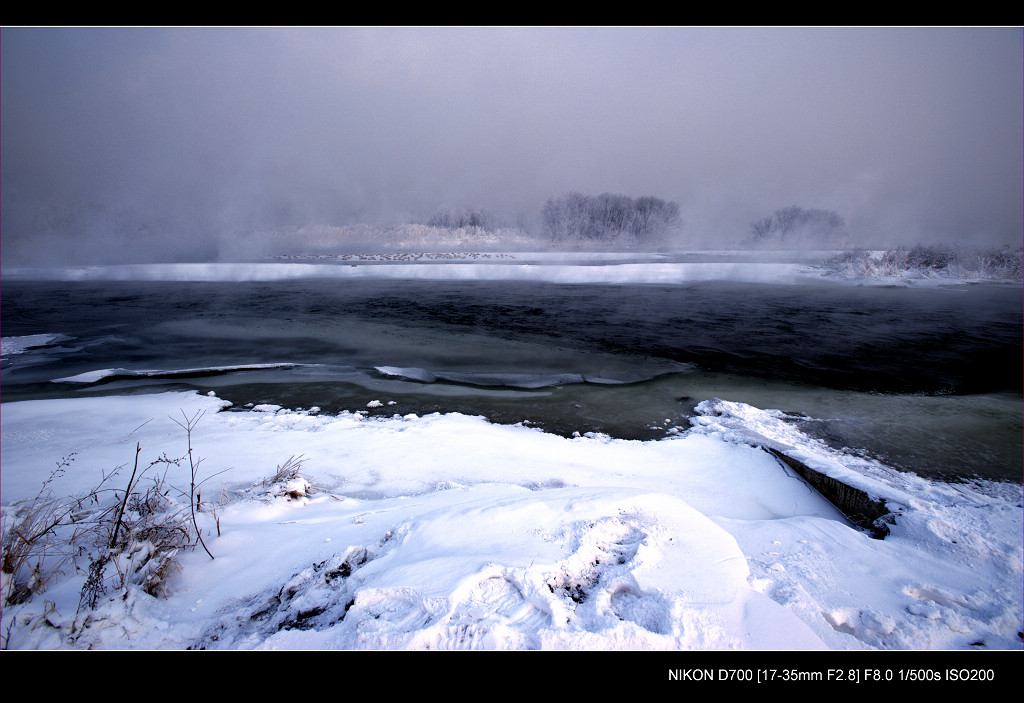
(124, 502)
(188, 425)
(139, 428)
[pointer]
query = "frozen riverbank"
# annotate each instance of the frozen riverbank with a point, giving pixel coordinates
(578, 273)
(893, 268)
(447, 531)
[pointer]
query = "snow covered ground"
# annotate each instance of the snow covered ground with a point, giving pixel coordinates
(449, 532)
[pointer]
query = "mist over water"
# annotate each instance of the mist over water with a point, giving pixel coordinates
(200, 144)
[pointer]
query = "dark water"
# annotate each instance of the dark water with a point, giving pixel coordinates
(928, 379)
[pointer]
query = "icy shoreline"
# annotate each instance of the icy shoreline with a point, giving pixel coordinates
(769, 266)
(447, 531)
(618, 273)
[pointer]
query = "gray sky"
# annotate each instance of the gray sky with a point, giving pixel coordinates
(161, 142)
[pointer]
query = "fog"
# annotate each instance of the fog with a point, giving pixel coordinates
(192, 144)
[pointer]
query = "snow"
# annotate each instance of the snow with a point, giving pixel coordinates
(451, 532)
(565, 267)
(101, 374)
(19, 345)
(583, 270)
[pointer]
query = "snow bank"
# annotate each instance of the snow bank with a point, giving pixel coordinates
(889, 268)
(578, 273)
(947, 543)
(449, 532)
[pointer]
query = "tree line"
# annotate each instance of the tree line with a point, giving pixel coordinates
(609, 218)
(575, 218)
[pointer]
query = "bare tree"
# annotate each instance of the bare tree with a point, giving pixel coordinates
(797, 225)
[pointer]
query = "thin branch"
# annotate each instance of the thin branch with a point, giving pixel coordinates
(127, 492)
(188, 425)
(138, 428)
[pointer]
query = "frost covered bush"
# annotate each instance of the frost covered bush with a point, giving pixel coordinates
(855, 263)
(935, 257)
(1003, 263)
(940, 260)
(428, 237)
(445, 232)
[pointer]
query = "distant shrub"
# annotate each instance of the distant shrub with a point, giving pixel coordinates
(796, 225)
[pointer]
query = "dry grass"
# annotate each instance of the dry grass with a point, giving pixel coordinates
(33, 552)
(287, 481)
(137, 545)
(122, 537)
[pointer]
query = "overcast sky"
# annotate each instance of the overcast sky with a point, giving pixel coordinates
(185, 136)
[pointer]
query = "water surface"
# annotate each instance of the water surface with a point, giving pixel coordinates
(927, 379)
